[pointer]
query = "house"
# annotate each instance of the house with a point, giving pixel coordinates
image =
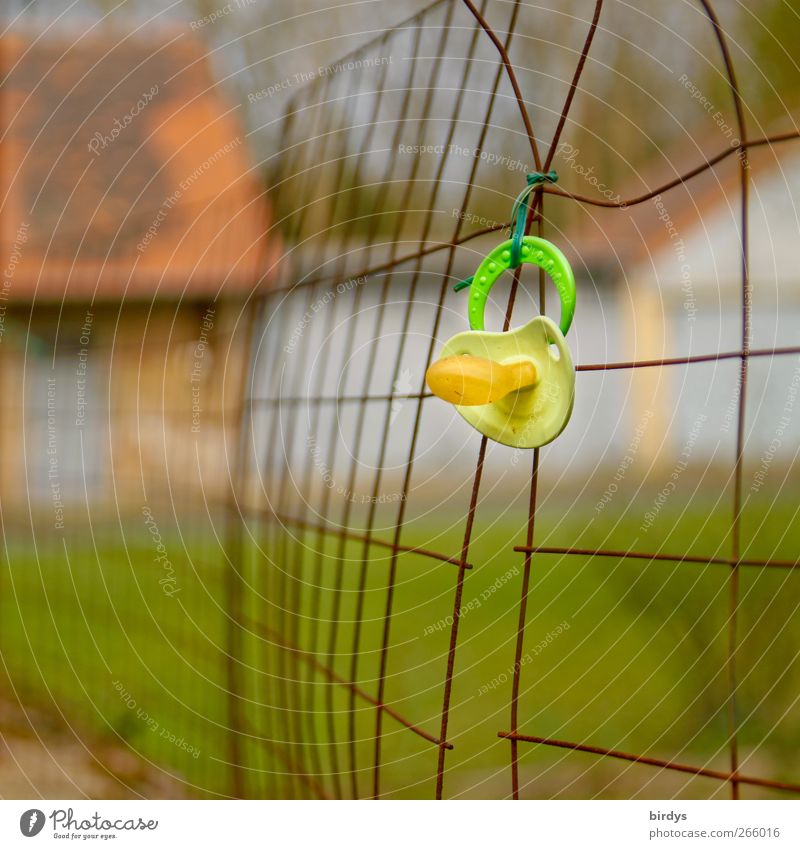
(133, 231)
(657, 280)
(679, 294)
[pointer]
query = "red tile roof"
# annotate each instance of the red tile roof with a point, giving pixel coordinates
(127, 171)
(625, 239)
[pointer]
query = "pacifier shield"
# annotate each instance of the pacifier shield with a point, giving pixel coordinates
(535, 415)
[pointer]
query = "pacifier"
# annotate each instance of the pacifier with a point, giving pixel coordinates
(517, 388)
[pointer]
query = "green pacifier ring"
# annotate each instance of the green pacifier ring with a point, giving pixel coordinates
(536, 251)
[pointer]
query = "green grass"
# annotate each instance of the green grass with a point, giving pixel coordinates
(641, 666)
(93, 633)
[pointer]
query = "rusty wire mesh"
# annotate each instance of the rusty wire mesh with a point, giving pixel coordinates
(374, 241)
(358, 607)
(357, 604)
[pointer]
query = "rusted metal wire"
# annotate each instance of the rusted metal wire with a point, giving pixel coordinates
(557, 192)
(659, 555)
(283, 636)
(657, 762)
(309, 658)
(342, 532)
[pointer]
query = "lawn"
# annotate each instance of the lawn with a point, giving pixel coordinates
(619, 653)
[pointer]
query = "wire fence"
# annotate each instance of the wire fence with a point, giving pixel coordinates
(380, 181)
(119, 419)
(311, 579)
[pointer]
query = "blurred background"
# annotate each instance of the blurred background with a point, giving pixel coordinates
(236, 526)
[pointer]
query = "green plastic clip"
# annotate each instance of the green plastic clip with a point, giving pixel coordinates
(532, 250)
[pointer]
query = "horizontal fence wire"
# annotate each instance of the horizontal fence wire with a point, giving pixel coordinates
(642, 759)
(659, 555)
(343, 533)
(363, 236)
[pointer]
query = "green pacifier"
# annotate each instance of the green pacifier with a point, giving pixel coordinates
(517, 388)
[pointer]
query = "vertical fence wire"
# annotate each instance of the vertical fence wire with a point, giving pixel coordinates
(376, 225)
